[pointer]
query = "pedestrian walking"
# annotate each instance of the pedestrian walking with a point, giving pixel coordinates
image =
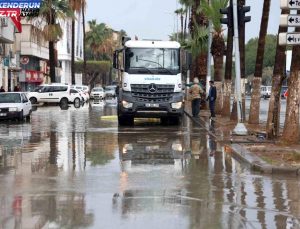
(211, 98)
(2, 89)
(195, 93)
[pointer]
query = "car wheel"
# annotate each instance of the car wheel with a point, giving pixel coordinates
(64, 102)
(33, 100)
(77, 102)
(28, 117)
(21, 116)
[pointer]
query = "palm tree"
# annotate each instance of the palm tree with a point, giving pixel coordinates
(76, 6)
(255, 98)
(212, 11)
(197, 18)
(99, 39)
(51, 12)
(291, 131)
(228, 72)
(273, 121)
(181, 12)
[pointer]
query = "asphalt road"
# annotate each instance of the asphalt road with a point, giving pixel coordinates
(76, 168)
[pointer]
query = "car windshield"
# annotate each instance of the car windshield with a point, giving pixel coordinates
(108, 88)
(97, 89)
(152, 61)
(10, 98)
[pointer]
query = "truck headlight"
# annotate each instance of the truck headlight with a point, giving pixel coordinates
(13, 109)
(126, 148)
(126, 104)
(177, 147)
(177, 105)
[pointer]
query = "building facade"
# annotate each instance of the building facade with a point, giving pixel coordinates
(64, 49)
(33, 53)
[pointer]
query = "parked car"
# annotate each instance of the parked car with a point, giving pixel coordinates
(265, 91)
(81, 88)
(54, 93)
(15, 105)
(97, 93)
(110, 91)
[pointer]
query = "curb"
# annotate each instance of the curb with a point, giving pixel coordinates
(253, 161)
(259, 165)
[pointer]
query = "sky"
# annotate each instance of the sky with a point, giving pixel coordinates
(155, 19)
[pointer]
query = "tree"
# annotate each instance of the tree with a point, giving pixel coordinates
(51, 12)
(212, 11)
(181, 12)
(228, 72)
(291, 132)
(273, 121)
(76, 6)
(255, 98)
(269, 54)
(99, 39)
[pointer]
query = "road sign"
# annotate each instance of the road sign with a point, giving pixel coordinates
(289, 39)
(290, 4)
(290, 20)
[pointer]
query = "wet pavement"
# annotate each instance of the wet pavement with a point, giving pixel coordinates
(76, 168)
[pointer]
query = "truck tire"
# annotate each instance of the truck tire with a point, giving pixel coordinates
(125, 120)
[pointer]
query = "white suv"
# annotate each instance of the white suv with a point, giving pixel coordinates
(54, 93)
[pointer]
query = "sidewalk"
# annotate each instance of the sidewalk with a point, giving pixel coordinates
(260, 154)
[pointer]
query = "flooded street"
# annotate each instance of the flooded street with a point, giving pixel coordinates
(76, 168)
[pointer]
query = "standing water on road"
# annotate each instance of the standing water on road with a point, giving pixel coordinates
(76, 168)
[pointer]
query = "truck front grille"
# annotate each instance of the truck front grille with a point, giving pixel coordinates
(163, 93)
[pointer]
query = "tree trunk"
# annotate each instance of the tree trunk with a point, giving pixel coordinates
(273, 121)
(228, 72)
(217, 50)
(226, 98)
(255, 98)
(181, 21)
(291, 132)
(84, 43)
(73, 52)
(52, 64)
(185, 24)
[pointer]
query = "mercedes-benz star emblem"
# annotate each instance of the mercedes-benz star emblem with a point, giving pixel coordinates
(152, 88)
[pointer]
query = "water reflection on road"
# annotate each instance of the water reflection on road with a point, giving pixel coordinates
(76, 168)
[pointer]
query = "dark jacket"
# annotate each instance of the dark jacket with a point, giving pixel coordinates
(212, 95)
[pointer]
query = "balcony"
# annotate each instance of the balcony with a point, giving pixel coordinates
(29, 48)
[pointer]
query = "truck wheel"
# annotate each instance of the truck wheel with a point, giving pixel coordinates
(125, 120)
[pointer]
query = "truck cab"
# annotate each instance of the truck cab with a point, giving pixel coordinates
(150, 81)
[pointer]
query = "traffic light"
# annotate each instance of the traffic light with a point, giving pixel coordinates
(242, 10)
(229, 20)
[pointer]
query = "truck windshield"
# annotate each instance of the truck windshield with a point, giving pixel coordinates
(152, 60)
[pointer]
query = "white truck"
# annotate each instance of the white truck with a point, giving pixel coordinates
(150, 81)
